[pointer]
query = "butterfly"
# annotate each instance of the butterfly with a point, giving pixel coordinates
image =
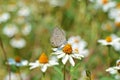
(58, 37)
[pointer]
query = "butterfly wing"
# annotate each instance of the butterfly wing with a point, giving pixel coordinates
(58, 37)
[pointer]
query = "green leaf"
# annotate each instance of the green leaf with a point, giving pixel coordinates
(58, 71)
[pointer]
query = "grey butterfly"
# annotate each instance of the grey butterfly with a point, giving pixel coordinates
(58, 37)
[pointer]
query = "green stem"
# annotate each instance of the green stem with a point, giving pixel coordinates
(109, 55)
(43, 77)
(5, 56)
(64, 70)
(20, 73)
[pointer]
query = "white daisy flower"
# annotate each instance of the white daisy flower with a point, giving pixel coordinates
(105, 4)
(10, 30)
(15, 76)
(18, 43)
(117, 22)
(43, 62)
(24, 11)
(116, 45)
(80, 49)
(17, 62)
(114, 13)
(108, 41)
(74, 39)
(108, 26)
(78, 45)
(4, 17)
(26, 29)
(115, 70)
(55, 3)
(66, 52)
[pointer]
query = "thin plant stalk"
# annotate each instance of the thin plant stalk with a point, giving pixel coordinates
(20, 73)
(64, 70)
(109, 55)
(43, 77)
(5, 56)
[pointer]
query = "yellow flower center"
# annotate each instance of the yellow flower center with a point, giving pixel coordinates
(67, 49)
(43, 58)
(17, 59)
(76, 50)
(117, 24)
(76, 41)
(108, 27)
(104, 1)
(108, 39)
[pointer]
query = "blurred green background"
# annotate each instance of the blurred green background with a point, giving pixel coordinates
(76, 17)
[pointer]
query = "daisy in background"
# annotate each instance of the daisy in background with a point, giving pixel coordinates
(24, 11)
(109, 41)
(114, 12)
(43, 62)
(15, 76)
(55, 3)
(105, 4)
(10, 30)
(117, 22)
(67, 53)
(116, 45)
(4, 17)
(17, 62)
(115, 70)
(26, 29)
(108, 26)
(18, 42)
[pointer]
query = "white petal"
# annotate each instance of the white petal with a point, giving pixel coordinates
(82, 44)
(44, 68)
(34, 65)
(71, 61)
(111, 70)
(84, 52)
(65, 58)
(51, 62)
(11, 61)
(61, 55)
(57, 52)
(103, 42)
(54, 49)
(77, 56)
(24, 62)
